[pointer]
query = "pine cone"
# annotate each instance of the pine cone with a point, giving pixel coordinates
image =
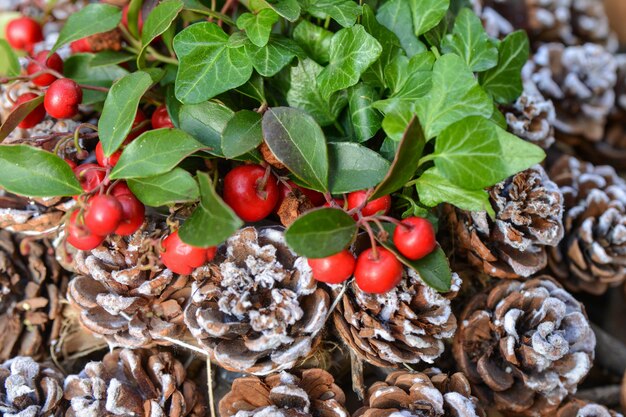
(430, 394)
(111, 40)
(133, 383)
(578, 408)
(528, 208)
(579, 80)
(405, 325)
(37, 217)
(524, 346)
(125, 295)
(257, 308)
(311, 393)
(592, 256)
(28, 389)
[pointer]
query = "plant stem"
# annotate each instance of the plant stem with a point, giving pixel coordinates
(160, 57)
(214, 14)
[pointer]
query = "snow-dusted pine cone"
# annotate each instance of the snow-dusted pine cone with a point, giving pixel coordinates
(578, 408)
(28, 389)
(431, 394)
(405, 325)
(125, 295)
(37, 217)
(592, 255)
(528, 208)
(257, 308)
(312, 392)
(524, 346)
(139, 383)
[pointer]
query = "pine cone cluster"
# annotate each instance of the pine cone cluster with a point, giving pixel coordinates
(578, 408)
(38, 217)
(257, 309)
(524, 346)
(528, 209)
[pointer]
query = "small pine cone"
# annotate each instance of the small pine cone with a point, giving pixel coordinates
(312, 392)
(293, 206)
(579, 80)
(591, 256)
(524, 346)
(528, 208)
(405, 325)
(257, 308)
(125, 295)
(141, 383)
(430, 394)
(111, 40)
(28, 389)
(37, 217)
(578, 408)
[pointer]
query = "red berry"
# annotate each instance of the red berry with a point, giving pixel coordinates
(379, 274)
(139, 117)
(161, 118)
(333, 269)
(134, 213)
(382, 204)
(415, 237)
(54, 63)
(35, 116)
(180, 257)
(62, 98)
(103, 214)
(23, 33)
(90, 176)
(79, 236)
(106, 161)
(71, 163)
(125, 18)
(244, 193)
(210, 253)
(120, 189)
(81, 45)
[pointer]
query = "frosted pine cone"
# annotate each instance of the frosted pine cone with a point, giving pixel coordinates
(133, 383)
(578, 408)
(125, 295)
(28, 389)
(405, 325)
(528, 208)
(311, 393)
(524, 346)
(430, 394)
(37, 217)
(592, 255)
(257, 309)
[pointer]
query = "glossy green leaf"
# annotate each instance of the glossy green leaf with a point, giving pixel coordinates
(352, 51)
(389, 42)
(289, 9)
(254, 89)
(314, 40)
(366, 120)
(176, 186)
(395, 15)
(206, 122)
(9, 64)
(395, 123)
(173, 105)
(207, 67)
(91, 19)
(18, 114)
(298, 142)
(517, 154)
(242, 134)
(120, 108)
(106, 58)
(155, 152)
(274, 56)
(344, 12)
(158, 21)
(33, 172)
(354, 167)
(212, 222)
(258, 26)
(132, 17)
(427, 14)
(320, 233)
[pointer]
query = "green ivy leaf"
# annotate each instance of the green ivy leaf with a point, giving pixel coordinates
(405, 162)
(470, 41)
(289, 9)
(366, 120)
(120, 108)
(206, 122)
(158, 21)
(176, 186)
(9, 64)
(93, 18)
(389, 42)
(213, 215)
(254, 89)
(427, 14)
(274, 56)
(304, 94)
(258, 26)
(33, 172)
(155, 152)
(504, 82)
(517, 154)
(18, 114)
(395, 15)
(314, 40)
(352, 51)
(298, 142)
(395, 123)
(78, 67)
(344, 12)
(242, 134)
(354, 167)
(320, 233)
(207, 67)
(455, 95)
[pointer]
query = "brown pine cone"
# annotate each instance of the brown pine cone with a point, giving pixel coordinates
(405, 325)
(528, 208)
(257, 308)
(592, 255)
(431, 394)
(134, 383)
(37, 217)
(578, 408)
(28, 389)
(125, 294)
(111, 40)
(524, 346)
(312, 392)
